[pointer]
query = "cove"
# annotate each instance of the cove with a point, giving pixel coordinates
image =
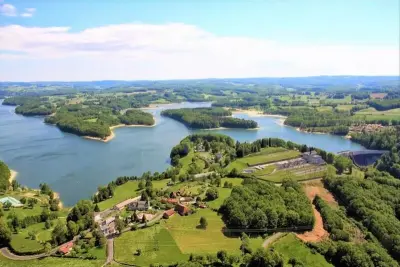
(75, 167)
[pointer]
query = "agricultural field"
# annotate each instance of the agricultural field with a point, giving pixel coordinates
(50, 262)
(191, 239)
(372, 114)
(292, 247)
(156, 244)
(224, 192)
(344, 107)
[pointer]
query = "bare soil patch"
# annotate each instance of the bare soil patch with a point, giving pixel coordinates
(315, 187)
(318, 233)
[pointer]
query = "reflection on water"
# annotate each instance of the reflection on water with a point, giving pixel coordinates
(74, 166)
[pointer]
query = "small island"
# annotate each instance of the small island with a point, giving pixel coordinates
(208, 118)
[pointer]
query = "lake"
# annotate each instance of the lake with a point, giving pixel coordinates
(75, 167)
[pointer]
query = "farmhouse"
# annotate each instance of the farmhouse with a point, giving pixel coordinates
(139, 205)
(108, 226)
(66, 248)
(120, 206)
(187, 200)
(14, 202)
(168, 213)
(169, 200)
(182, 209)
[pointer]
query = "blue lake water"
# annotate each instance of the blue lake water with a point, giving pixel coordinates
(75, 167)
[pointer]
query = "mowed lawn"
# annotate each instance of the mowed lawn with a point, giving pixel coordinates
(191, 239)
(156, 244)
(128, 190)
(300, 174)
(51, 262)
(292, 247)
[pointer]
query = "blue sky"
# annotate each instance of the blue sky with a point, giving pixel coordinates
(145, 39)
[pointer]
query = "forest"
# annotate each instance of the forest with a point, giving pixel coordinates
(387, 139)
(374, 201)
(259, 205)
(385, 104)
(208, 118)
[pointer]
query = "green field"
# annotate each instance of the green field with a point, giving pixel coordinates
(190, 239)
(291, 247)
(267, 156)
(128, 190)
(372, 114)
(344, 107)
(50, 262)
(224, 192)
(156, 243)
(324, 108)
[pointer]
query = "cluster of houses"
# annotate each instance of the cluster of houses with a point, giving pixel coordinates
(182, 204)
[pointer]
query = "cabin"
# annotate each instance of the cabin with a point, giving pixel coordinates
(168, 213)
(66, 248)
(139, 205)
(182, 209)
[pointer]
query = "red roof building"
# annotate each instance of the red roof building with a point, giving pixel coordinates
(168, 213)
(66, 248)
(170, 200)
(182, 209)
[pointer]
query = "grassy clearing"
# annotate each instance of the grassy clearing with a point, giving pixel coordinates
(156, 243)
(190, 239)
(291, 247)
(50, 262)
(22, 243)
(100, 253)
(372, 114)
(344, 107)
(224, 192)
(128, 190)
(324, 108)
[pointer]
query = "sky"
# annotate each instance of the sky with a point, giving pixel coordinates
(83, 40)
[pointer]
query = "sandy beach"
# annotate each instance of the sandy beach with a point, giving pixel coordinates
(13, 175)
(57, 196)
(256, 113)
(112, 135)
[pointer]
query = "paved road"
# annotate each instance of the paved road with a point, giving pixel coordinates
(271, 239)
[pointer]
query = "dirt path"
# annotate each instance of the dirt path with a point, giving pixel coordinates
(272, 239)
(318, 233)
(110, 250)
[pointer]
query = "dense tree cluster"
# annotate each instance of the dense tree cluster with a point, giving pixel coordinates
(207, 118)
(388, 139)
(375, 204)
(5, 174)
(259, 205)
(30, 106)
(383, 139)
(346, 254)
(333, 222)
(136, 117)
(385, 104)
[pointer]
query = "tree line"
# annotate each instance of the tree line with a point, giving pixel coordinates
(5, 175)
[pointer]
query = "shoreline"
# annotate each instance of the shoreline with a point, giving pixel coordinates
(112, 135)
(13, 176)
(256, 113)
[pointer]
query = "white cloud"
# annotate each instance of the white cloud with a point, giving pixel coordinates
(28, 12)
(173, 51)
(8, 10)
